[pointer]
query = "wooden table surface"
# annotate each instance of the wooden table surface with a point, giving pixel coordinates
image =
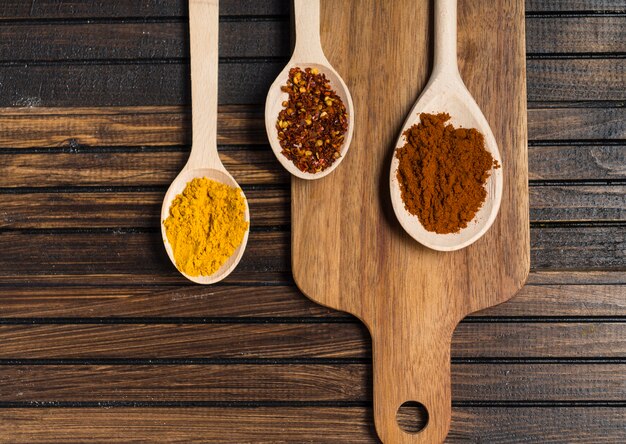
(102, 340)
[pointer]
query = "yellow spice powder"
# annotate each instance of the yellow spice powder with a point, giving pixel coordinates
(205, 226)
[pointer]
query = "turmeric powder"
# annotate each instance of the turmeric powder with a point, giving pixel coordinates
(206, 224)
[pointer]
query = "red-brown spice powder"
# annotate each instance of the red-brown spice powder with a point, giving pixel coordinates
(442, 173)
(313, 122)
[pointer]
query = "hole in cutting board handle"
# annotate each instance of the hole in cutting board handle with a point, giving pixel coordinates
(412, 417)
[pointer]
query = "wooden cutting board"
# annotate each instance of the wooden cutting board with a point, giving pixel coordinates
(349, 251)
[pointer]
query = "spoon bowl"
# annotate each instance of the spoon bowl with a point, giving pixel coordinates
(464, 112)
(446, 92)
(273, 106)
(176, 188)
(307, 53)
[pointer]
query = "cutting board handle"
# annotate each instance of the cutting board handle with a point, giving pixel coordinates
(415, 367)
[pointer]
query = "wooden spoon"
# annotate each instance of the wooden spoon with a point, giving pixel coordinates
(204, 160)
(307, 53)
(446, 92)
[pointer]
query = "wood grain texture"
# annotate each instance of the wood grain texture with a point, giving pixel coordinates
(169, 40)
(550, 370)
(243, 125)
(136, 41)
(546, 81)
(547, 35)
(552, 299)
(257, 166)
(557, 294)
(115, 168)
(577, 204)
(165, 301)
(548, 425)
(577, 123)
(587, 277)
(127, 84)
(71, 9)
(78, 258)
(131, 257)
(122, 126)
(123, 208)
(17, 9)
(317, 340)
(310, 382)
(605, 247)
(587, 162)
(372, 269)
(575, 5)
(118, 257)
(28, 42)
(246, 82)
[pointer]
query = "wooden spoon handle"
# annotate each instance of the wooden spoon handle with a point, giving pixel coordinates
(203, 36)
(445, 37)
(308, 43)
(413, 367)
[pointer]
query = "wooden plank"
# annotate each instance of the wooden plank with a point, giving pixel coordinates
(136, 41)
(546, 340)
(576, 79)
(18, 9)
(578, 298)
(269, 207)
(548, 425)
(201, 383)
(591, 162)
(123, 126)
(170, 341)
(95, 41)
(74, 9)
(575, 5)
(195, 425)
(584, 277)
(300, 340)
(237, 125)
(545, 35)
(578, 247)
(267, 38)
(104, 209)
(115, 168)
(164, 301)
(536, 382)
(247, 82)
(563, 300)
(577, 204)
(116, 257)
(540, 425)
(601, 122)
(149, 167)
(116, 84)
(306, 382)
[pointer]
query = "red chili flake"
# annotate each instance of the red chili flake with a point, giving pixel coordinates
(313, 122)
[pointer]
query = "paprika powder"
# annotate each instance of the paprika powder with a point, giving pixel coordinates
(442, 173)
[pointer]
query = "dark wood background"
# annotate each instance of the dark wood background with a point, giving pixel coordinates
(101, 339)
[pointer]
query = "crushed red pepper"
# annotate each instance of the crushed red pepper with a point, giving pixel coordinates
(313, 122)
